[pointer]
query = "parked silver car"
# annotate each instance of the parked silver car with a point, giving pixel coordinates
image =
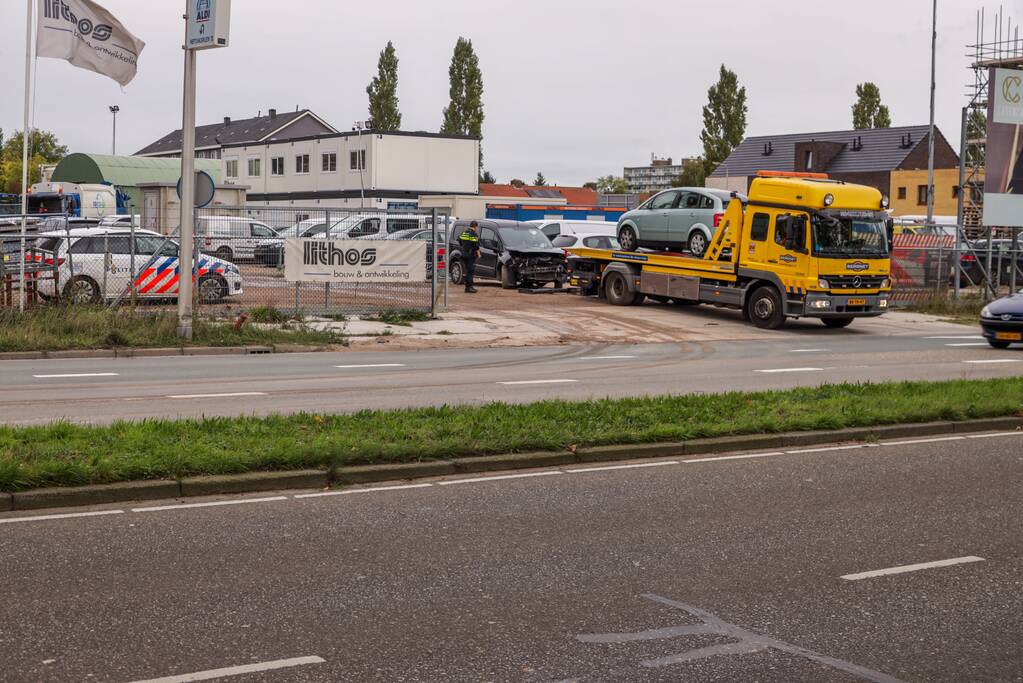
(683, 218)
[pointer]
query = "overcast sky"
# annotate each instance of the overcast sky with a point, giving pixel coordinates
(575, 88)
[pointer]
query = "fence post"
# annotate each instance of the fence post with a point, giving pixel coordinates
(326, 285)
(107, 260)
(433, 264)
(132, 266)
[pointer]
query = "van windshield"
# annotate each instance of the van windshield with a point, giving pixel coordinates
(838, 237)
(524, 239)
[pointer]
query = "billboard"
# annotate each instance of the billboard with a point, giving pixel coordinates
(1003, 178)
(312, 260)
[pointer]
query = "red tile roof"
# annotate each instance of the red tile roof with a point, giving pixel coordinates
(501, 190)
(576, 196)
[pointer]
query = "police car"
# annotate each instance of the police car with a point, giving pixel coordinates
(94, 264)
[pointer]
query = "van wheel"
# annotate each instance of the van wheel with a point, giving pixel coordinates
(697, 243)
(456, 271)
(81, 289)
(224, 254)
(836, 322)
(507, 277)
(764, 308)
(627, 238)
(616, 289)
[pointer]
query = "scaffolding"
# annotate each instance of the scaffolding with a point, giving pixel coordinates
(998, 46)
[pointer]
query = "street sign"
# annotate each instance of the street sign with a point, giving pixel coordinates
(209, 24)
(204, 189)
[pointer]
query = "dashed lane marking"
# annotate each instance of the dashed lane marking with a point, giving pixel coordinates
(604, 357)
(992, 360)
(373, 489)
(777, 370)
(621, 467)
(69, 515)
(227, 395)
(912, 568)
(372, 365)
(540, 381)
(212, 504)
(236, 670)
(474, 480)
(78, 374)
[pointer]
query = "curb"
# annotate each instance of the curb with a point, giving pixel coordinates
(142, 352)
(368, 474)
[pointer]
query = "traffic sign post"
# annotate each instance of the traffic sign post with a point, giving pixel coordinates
(207, 25)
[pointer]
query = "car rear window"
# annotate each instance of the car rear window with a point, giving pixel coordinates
(565, 241)
(49, 243)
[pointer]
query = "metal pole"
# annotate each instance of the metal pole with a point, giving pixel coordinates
(930, 137)
(362, 169)
(185, 258)
(961, 204)
(433, 265)
(26, 136)
(132, 266)
(113, 140)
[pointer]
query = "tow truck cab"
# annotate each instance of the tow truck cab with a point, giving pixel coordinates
(800, 246)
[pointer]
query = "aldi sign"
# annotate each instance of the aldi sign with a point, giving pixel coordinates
(209, 24)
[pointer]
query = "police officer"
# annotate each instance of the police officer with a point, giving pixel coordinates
(469, 244)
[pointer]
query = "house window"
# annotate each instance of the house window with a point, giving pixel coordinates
(921, 195)
(301, 163)
(255, 169)
(231, 168)
(277, 166)
(329, 162)
(955, 192)
(902, 193)
(357, 160)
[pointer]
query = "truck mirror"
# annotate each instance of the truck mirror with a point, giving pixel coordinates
(889, 226)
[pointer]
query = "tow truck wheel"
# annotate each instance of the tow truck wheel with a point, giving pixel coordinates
(764, 308)
(616, 288)
(627, 238)
(837, 322)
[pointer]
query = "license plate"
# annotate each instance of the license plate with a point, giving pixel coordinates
(1009, 336)
(573, 281)
(857, 302)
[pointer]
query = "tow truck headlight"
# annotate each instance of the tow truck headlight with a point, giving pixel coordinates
(820, 304)
(886, 283)
(829, 199)
(823, 284)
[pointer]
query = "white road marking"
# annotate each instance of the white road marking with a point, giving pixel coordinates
(934, 440)
(851, 447)
(541, 381)
(603, 357)
(958, 337)
(68, 515)
(988, 436)
(734, 457)
(912, 568)
(79, 374)
(806, 350)
(968, 344)
(992, 360)
(216, 503)
(228, 395)
(773, 370)
(236, 670)
(373, 365)
(367, 490)
(499, 477)
(622, 467)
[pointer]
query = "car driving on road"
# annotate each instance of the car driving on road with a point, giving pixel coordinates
(94, 265)
(683, 218)
(517, 254)
(1001, 321)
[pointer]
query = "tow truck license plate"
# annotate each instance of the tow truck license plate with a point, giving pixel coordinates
(857, 302)
(1009, 336)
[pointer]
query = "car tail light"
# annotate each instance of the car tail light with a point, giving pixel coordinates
(968, 257)
(717, 219)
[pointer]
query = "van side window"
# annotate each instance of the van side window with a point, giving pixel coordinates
(758, 229)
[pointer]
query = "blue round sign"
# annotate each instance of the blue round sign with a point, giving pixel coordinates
(204, 189)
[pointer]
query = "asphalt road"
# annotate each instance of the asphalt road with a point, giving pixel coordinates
(709, 569)
(102, 390)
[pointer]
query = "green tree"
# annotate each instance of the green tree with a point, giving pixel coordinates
(867, 111)
(693, 174)
(383, 92)
(487, 177)
(464, 113)
(590, 186)
(44, 148)
(724, 119)
(976, 130)
(539, 180)
(611, 184)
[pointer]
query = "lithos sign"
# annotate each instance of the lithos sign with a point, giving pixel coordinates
(307, 260)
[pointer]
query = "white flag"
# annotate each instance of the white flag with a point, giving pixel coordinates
(89, 37)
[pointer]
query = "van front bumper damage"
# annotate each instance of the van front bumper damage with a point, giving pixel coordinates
(824, 305)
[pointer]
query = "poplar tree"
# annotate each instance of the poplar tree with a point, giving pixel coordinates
(383, 92)
(724, 119)
(464, 113)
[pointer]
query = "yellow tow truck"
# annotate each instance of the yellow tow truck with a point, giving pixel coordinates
(800, 246)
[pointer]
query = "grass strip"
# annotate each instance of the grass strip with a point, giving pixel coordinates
(58, 328)
(65, 455)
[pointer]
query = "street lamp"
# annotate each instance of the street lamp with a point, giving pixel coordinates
(113, 143)
(360, 158)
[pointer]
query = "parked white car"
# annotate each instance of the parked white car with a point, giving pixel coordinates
(231, 238)
(94, 265)
(554, 228)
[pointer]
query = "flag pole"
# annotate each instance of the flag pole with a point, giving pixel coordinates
(25, 137)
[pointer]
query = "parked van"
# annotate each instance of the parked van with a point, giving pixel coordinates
(231, 238)
(553, 228)
(376, 225)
